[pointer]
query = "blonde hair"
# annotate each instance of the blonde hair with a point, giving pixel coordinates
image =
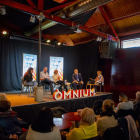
(99, 72)
(108, 105)
(88, 116)
(2, 96)
(76, 69)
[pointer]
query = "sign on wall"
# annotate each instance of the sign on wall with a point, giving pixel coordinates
(29, 60)
(56, 63)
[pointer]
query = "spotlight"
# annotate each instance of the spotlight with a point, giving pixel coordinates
(48, 40)
(32, 19)
(2, 10)
(58, 43)
(4, 32)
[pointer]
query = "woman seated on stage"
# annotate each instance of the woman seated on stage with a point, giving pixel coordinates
(98, 80)
(8, 119)
(57, 80)
(87, 129)
(43, 128)
(28, 78)
(108, 117)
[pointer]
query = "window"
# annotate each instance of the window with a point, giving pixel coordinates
(131, 43)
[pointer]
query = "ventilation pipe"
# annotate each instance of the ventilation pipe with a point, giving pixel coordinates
(70, 11)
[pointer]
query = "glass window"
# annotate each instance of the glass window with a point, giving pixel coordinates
(131, 43)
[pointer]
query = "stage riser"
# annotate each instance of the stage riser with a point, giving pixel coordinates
(29, 112)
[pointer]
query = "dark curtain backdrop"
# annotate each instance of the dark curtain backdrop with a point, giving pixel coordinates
(83, 57)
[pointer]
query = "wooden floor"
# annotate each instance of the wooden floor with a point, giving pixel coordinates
(23, 99)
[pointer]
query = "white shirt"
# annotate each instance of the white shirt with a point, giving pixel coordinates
(33, 135)
(43, 74)
(55, 77)
(125, 105)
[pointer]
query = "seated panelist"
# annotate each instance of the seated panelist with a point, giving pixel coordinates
(77, 79)
(56, 79)
(98, 80)
(45, 79)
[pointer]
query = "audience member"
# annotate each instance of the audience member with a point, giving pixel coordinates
(87, 129)
(3, 136)
(43, 128)
(8, 119)
(108, 117)
(137, 106)
(3, 96)
(124, 103)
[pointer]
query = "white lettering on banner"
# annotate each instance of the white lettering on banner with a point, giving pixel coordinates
(57, 95)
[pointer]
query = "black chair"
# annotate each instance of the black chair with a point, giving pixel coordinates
(95, 138)
(113, 133)
(123, 113)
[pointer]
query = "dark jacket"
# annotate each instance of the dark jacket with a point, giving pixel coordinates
(74, 77)
(3, 136)
(28, 77)
(10, 123)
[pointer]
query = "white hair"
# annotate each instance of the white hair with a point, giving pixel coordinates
(2, 96)
(88, 115)
(138, 94)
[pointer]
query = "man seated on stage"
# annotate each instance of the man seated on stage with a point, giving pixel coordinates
(57, 80)
(45, 79)
(77, 79)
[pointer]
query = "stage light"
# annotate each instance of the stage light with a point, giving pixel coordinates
(2, 10)
(32, 19)
(4, 32)
(48, 40)
(58, 43)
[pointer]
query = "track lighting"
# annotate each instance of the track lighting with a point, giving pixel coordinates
(59, 43)
(4, 32)
(48, 40)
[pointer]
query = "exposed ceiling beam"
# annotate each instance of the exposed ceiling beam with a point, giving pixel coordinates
(116, 19)
(31, 4)
(107, 20)
(40, 5)
(60, 20)
(58, 7)
(129, 33)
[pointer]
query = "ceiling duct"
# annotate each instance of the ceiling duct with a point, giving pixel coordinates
(70, 11)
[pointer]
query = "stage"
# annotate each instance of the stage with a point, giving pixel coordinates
(28, 109)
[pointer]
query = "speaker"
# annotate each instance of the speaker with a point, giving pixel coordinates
(108, 50)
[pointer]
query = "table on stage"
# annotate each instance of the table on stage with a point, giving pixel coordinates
(62, 123)
(72, 116)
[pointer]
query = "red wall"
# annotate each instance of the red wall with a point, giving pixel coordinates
(122, 75)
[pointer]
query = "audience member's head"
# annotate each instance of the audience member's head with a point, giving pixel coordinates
(108, 105)
(99, 73)
(45, 69)
(4, 105)
(138, 95)
(2, 96)
(44, 122)
(55, 71)
(76, 71)
(88, 116)
(123, 97)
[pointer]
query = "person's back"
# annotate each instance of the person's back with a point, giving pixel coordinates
(34, 135)
(106, 122)
(83, 132)
(43, 128)
(125, 105)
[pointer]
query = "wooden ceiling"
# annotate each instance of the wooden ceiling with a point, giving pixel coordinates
(124, 15)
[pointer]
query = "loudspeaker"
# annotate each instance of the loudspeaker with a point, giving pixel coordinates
(108, 50)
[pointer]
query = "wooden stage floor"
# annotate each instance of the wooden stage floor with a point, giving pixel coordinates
(23, 99)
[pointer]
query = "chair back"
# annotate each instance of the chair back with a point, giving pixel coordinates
(113, 133)
(123, 113)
